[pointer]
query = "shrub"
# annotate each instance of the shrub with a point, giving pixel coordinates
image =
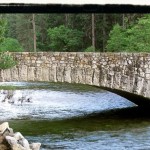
(6, 61)
(11, 45)
(90, 49)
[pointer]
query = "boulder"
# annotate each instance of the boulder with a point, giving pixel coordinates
(18, 136)
(18, 147)
(4, 147)
(11, 132)
(11, 140)
(24, 142)
(35, 146)
(14, 141)
(4, 144)
(7, 131)
(2, 138)
(3, 127)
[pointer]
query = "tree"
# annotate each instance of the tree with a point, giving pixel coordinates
(67, 20)
(104, 31)
(11, 27)
(2, 29)
(22, 28)
(65, 39)
(123, 21)
(117, 40)
(133, 38)
(42, 24)
(24, 31)
(93, 30)
(11, 45)
(34, 31)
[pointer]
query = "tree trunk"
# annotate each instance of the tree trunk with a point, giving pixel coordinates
(123, 21)
(34, 31)
(104, 31)
(66, 20)
(93, 30)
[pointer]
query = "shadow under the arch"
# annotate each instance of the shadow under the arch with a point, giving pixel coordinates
(139, 100)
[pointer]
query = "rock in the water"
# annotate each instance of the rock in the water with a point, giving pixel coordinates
(35, 146)
(4, 144)
(5, 132)
(2, 138)
(4, 147)
(24, 143)
(11, 132)
(18, 136)
(4, 126)
(11, 140)
(18, 147)
(14, 141)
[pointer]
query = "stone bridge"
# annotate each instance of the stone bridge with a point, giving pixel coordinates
(127, 74)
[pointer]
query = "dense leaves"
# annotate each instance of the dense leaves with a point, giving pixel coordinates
(2, 29)
(90, 49)
(134, 38)
(117, 41)
(65, 39)
(6, 61)
(20, 27)
(11, 45)
(74, 32)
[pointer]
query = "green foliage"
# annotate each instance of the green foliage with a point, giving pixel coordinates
(41, 42)
(6, 60)
(134, 38)
(90, 49)
(20, 27)
(65, 39)
(2, 29)
(11, 45)
(117, 41)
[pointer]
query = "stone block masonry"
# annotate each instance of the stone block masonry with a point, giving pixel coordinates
(128, 72)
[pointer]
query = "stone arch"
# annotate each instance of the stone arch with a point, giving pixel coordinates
(126, 74)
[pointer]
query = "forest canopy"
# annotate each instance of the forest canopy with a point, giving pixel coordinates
(75, 32)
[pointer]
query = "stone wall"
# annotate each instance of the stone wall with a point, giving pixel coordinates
(128, 72)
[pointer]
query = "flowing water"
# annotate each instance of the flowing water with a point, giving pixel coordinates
(74, 117)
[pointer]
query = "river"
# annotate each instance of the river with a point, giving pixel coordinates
(74, 117)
